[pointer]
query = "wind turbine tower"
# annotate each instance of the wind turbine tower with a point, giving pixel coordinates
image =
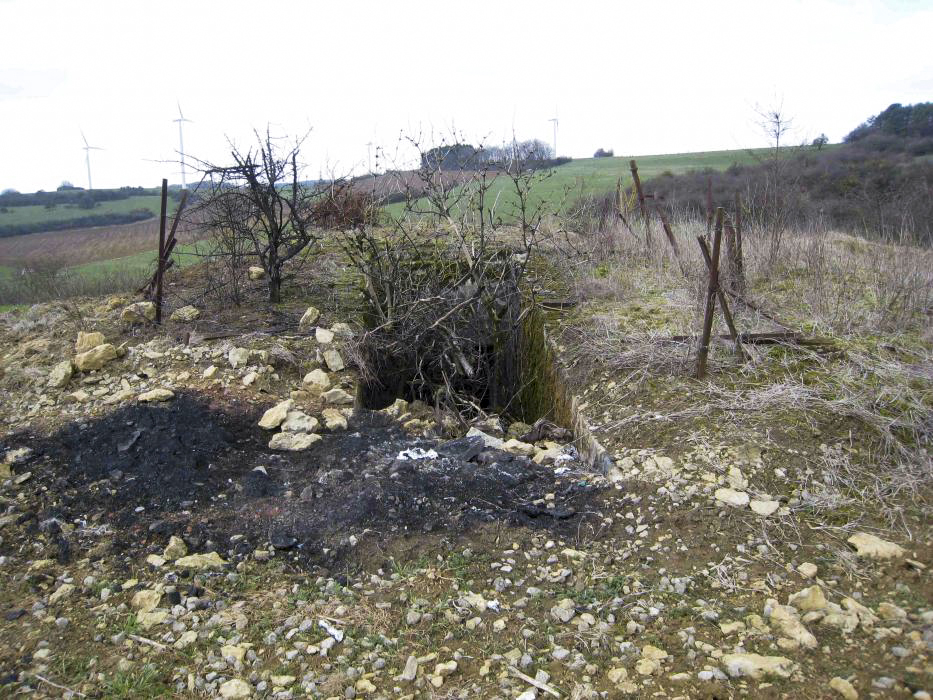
(181, 144)
(554, 122)
(87, 158)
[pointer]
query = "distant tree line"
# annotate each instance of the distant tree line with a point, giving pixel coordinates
(533, 153)
(904, 122)
(68, 194)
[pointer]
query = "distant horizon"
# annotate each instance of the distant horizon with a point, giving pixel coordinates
(191, 183)
(672, 77)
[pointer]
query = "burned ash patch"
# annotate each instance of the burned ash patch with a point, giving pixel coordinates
(200, 468)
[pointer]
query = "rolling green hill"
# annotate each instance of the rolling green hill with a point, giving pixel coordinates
(594, 176)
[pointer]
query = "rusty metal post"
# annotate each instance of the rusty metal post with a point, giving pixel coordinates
(709, 204)
(160, 269)
(642, 204)
(726, 312)
(712, 288)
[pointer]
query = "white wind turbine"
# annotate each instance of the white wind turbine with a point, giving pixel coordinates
(554, 122)
(181, 144)
(87, 158)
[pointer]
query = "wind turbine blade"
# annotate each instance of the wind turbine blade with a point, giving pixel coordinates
(84, 138)
(179, 110)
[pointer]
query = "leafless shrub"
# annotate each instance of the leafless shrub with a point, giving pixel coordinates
(443, 285)
(258, 203)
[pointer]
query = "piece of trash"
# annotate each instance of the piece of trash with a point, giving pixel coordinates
(417, 453)
(561, 470)
(331, 630)
(492, 605)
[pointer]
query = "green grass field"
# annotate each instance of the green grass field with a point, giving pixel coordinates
(37, 214)
(596, 176)
(587, 176)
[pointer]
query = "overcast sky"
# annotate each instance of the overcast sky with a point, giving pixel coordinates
(637, 77)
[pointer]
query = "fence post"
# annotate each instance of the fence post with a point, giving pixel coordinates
(160, 269)
(711, 289)
(642, 205)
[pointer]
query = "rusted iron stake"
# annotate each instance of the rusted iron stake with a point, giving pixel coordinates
(642, 204)
(160, 269)
(712, 288)
(734, 335)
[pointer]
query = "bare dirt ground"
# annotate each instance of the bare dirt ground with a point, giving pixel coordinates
(749, 541)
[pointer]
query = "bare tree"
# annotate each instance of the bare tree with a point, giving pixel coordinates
(775, 123)
(259, 200)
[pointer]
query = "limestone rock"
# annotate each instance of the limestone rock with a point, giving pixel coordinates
(786, 620)
(309, 318)
(151, 618)
(488, 440)
(140, 312)
(891, 612)
(255, 273)
(186, 639)
(89, 340)
(617, 675)
(564, 611)
(333, 360)
(238, 357)
(175, 549)
(317, 381)
(156, 395)
(61, 374)
(808, 599)
(397, 408)
(844, 688)
(62, 592)
(235, 688)
(757, 666)
(337, 397)
(185, 313)
(342, 330)
(764, 508)
(323, 336)
(202, 562)
(334, 419)
(293, 442)
(807, 569)
(144, 601)
(96, 357)
(517, 447)
(410, 671)
(299, 422)
(873, 547)
(736, 499)
(276, 415)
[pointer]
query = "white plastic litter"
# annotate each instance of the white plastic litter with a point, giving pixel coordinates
(417, 453)
(561, 470)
